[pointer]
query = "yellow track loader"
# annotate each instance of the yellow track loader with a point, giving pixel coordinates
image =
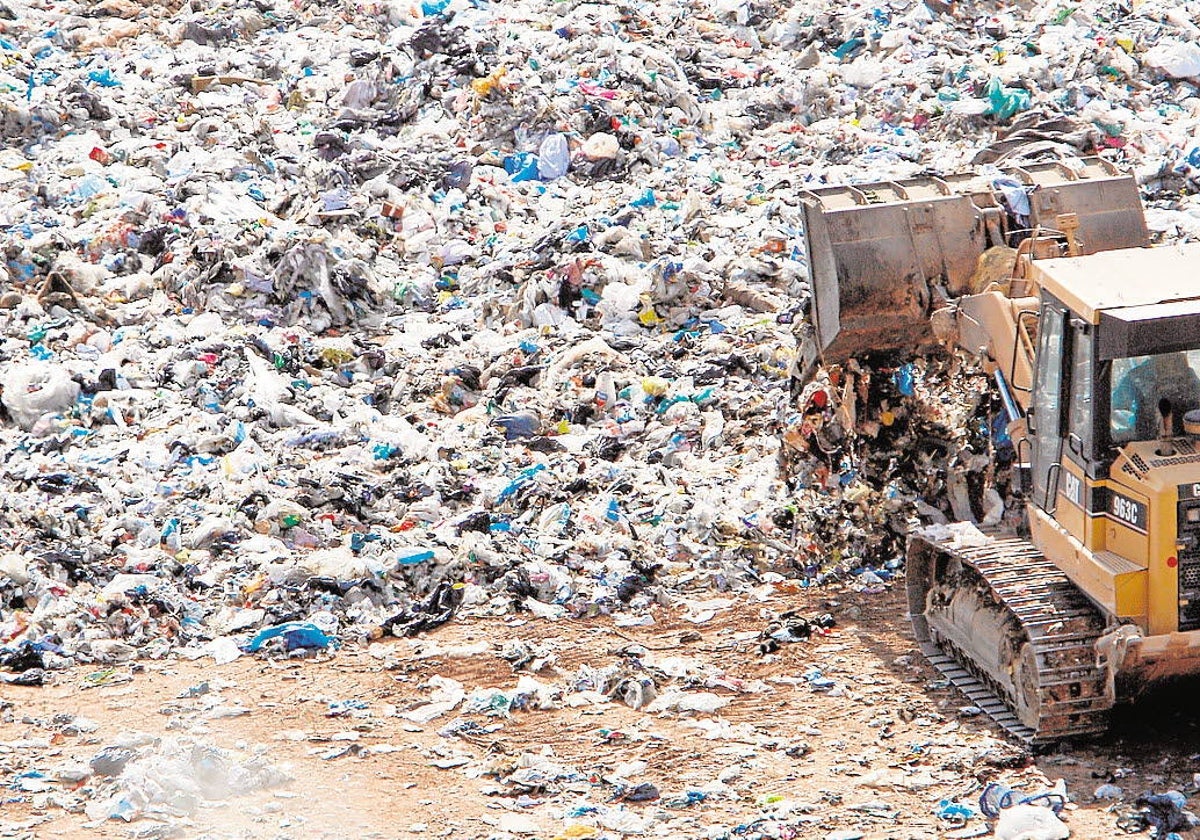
(1093, 340)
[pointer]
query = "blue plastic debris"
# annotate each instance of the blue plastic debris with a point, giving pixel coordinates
(415, 557)
(646, 199)
(104, 78)
(522, 166)
(518, 426)
(341, 708)
(295, 634)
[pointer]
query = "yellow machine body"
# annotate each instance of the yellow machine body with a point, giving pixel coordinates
(1128, 535)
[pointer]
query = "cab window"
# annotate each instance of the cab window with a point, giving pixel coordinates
(1140, 385)
(1081, 410)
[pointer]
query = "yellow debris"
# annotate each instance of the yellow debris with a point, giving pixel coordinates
(655, 386)
(577, 832)
(490, 82)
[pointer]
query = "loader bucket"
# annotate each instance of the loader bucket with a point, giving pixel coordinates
(1106, 202)
(879, 253)
(875, 251)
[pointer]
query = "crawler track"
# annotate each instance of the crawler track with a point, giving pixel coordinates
(1044, 685)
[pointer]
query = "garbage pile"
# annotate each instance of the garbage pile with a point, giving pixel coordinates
(170, 777)
(328, 321)
(145, 777)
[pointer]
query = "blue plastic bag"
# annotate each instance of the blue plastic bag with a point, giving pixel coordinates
(295, 634)
(521, 167)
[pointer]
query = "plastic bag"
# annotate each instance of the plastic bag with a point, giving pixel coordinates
(1004, 102)
(33, 390)
(1030, 822)
(1176, 59)
(554, 157)
(295, 634)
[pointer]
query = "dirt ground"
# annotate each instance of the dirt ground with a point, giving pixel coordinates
(871, 756)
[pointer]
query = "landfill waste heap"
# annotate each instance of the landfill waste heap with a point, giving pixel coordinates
(326, 321)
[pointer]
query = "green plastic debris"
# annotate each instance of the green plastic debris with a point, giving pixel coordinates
(1004, 102)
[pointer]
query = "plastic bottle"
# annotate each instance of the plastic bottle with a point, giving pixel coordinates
(905, 380)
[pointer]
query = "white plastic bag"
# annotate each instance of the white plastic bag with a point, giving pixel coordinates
(1176, 59)
(1030, 822)
(35, 389)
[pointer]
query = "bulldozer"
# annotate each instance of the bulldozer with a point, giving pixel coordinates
(1092, 339)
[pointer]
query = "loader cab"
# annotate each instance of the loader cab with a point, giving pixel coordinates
(1087, 403)
(1118, 344)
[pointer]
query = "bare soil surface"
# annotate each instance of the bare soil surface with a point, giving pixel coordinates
(874, 753)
